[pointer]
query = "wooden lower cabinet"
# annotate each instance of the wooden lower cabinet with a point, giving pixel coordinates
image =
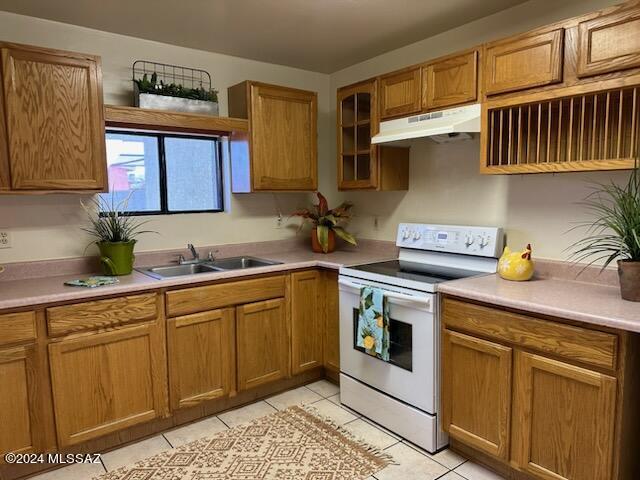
(332, 322)
(262, 343)
(201, 356)
(306, 321)
(476, 396)
(563, 419)
(20, 396)
(103, 382)
(531, 403)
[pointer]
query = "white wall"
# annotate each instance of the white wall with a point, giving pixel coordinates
(48, 226)
(444, 183)
(445, 186)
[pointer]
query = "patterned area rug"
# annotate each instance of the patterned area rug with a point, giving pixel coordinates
(294, 444)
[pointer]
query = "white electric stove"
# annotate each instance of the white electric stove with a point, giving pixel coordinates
(403, 394)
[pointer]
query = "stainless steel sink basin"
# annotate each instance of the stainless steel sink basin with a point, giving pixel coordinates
(237, 263)
(180, 270)
(232, 263)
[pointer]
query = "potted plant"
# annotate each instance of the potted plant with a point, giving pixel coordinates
(327, 223)
(614, 232)
(115, 233)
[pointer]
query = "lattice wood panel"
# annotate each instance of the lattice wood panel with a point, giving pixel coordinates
(597, 131)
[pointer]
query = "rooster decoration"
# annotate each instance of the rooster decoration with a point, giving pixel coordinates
(516, 266)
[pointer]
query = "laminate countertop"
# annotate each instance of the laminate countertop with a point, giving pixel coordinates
(29, 292)
(592, 303)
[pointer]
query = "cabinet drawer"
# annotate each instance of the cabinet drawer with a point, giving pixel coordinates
(609, 43)
(210, 297)
(17, 327)
(524, 62)
(101, 314)
(575, 343)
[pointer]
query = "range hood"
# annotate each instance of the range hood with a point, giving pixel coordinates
(439, 125)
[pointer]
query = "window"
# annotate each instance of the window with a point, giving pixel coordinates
(164, 174)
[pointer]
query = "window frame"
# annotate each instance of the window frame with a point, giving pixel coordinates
(162, 165)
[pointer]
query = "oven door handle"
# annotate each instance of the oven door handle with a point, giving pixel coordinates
(418, 303)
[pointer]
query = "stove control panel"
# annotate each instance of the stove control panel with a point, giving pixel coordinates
(480, 241)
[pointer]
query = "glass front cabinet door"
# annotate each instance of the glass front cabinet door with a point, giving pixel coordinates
(362, 165)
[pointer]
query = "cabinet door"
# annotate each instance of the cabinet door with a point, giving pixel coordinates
(262, 343)
(400, 93)
(476, 392)
(201, 357)
(307, 328)
(20, 411)
(105, 382)
(563, 419)
(284, 133)
(450, 81)
(357, 122)
(609, 43)
(54, 119)
(332, 323)
(524, 62)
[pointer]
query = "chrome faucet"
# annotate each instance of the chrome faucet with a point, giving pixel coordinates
(193, 251)
(195, 257)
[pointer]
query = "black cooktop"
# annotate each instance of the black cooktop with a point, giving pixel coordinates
(416, 271)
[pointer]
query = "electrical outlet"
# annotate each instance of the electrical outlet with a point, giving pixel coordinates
(279, 220)
(5, 239)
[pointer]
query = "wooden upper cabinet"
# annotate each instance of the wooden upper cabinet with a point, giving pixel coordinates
(450, 81)
(262, 343)
(201, 356)
(53, 124)
(476, 392)
(362, 164)
(20, 397)
(108, 381)
(609, 43)
(306, 321)
(527, 61)
(563, 423)
(357, 117)
(281, 150)
(400, 93)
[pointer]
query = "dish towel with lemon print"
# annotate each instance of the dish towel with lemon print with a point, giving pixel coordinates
(373, 323)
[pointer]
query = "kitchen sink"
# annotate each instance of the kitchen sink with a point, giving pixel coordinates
(238, 263)
(180, 270)
(232, 263)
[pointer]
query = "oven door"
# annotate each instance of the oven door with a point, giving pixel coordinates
(410, 374)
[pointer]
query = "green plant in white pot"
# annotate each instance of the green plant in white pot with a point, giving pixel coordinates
(115, 233)
(614, 232)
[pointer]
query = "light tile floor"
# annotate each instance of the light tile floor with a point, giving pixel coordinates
(413, 462)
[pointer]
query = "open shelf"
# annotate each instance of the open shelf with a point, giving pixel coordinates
(149, 119)
(596, 131)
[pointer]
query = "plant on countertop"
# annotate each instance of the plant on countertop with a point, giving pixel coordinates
(114, 231)
(327, 223)
(614, 232)
(146, 85)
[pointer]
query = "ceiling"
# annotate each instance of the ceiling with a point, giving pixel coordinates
(317, 35)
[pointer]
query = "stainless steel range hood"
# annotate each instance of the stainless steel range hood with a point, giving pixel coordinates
(439, 125)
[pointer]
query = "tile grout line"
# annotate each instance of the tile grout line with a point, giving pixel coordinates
(430, 456)
(223, 422)
(103, 465)
(167, 440)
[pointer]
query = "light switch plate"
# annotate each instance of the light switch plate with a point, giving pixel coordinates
(5, 239)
